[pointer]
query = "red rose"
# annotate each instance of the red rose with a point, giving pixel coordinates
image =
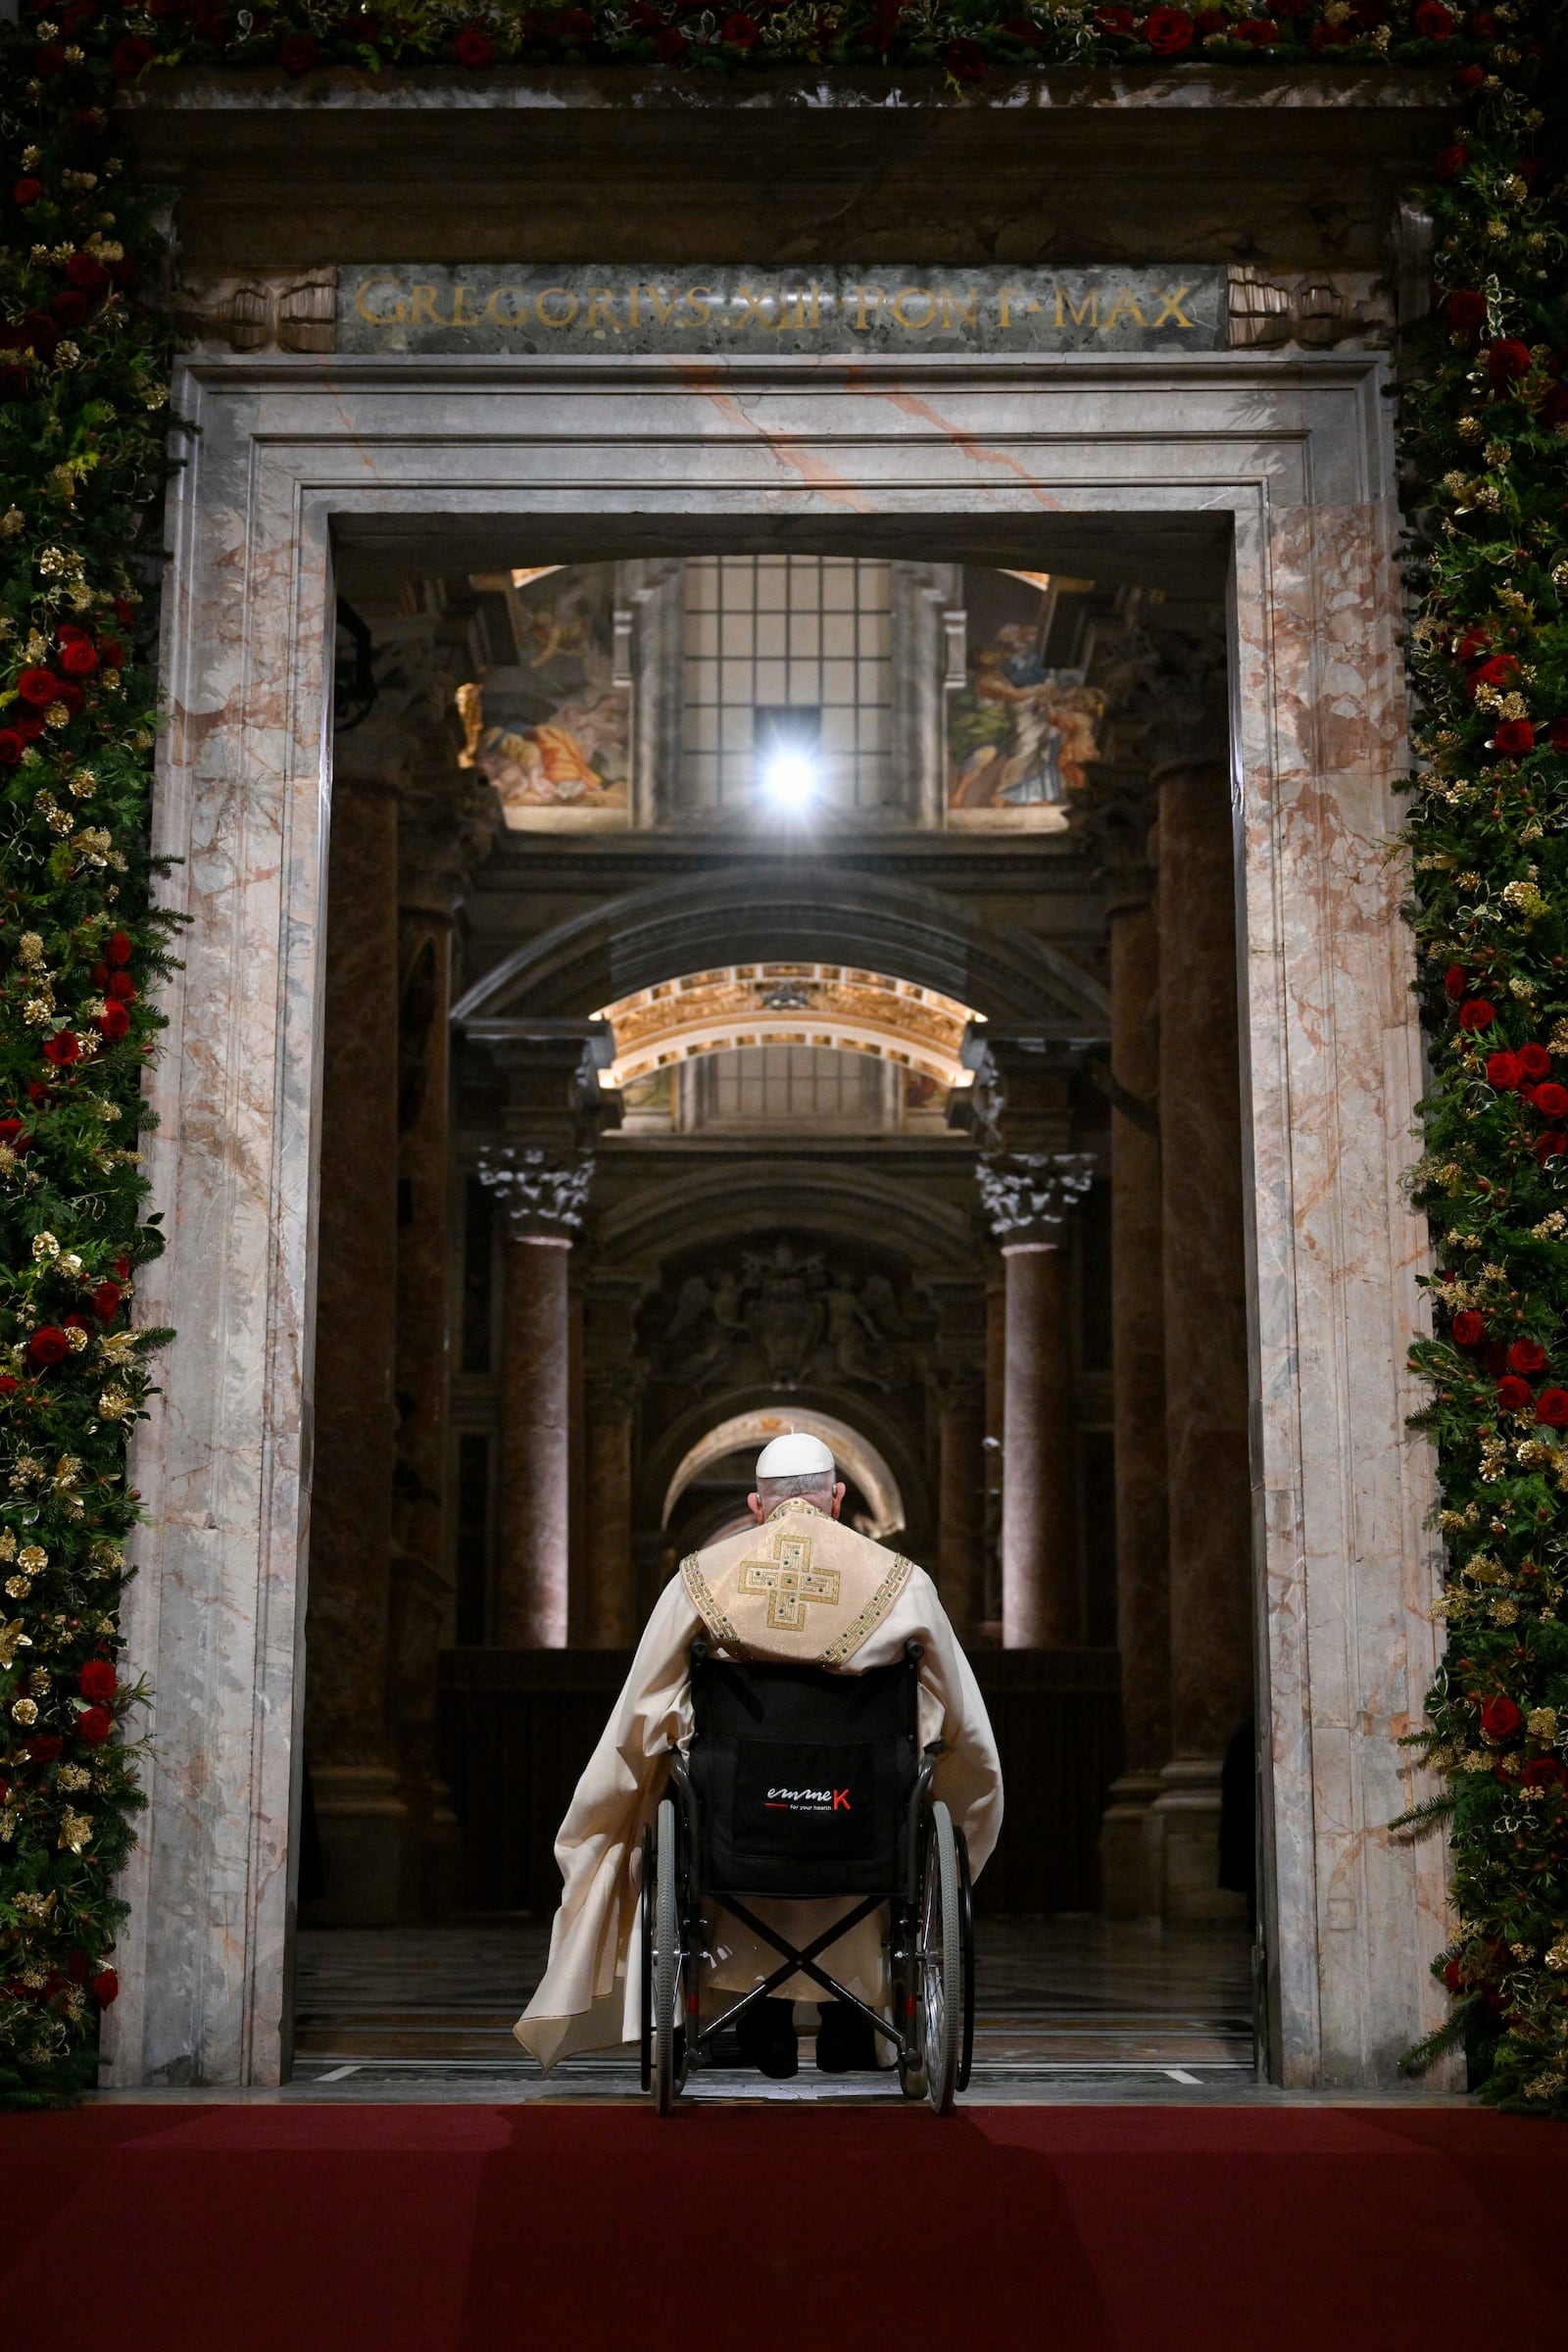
(1456, 980)
(741, 32)
(110, 653)
(965, 60)
(129, 54)
(1477, 1014)
(93, 1726)
(1115, 20)
(1507, 360)
(28, 725)
(105, 1987)
(1467, 79)
(1552, 1408)
(1433, 22)
(106, 1301)
(69, 309)
(1515, 736)
(1502, 1070)
(27, 192)
(65, 1048)
(1526, 1356)
(1545, 1772)
(48, 60)
(1468, 1328)
(1502, 670)
(1550, 1146)
(44, 1747)
(1501, 1718)
(98, 1680)
(113, 1022)
(1552, 1101)
(122, 987)
(13, 1132)
(576, 24)
(12, 747)
(1474, 643)
(78, 659)
(474, 48)
(69, 694)
(1449, 162)
(125, 611)
(38, 687)
(670, 43)
(1257, 32)
(1209, 20)
(1535, 1061)
(8, 1385)
(297, 54)
(86, 273)
(118, 949)
(1169, 32)
(1452, 1976)
(47, 1346)
(1513, 1395)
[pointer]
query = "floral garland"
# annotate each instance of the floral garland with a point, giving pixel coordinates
(83, 373)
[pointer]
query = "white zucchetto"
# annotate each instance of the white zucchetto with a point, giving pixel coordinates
(797, 1456)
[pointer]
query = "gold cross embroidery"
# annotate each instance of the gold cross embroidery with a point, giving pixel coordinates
(791, 1583)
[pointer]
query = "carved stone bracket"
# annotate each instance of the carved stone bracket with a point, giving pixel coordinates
(266, 309)
(1313, 309)
(545, 1195)
(1028, 1196)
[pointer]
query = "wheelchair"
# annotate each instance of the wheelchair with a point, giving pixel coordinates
(800, 1783)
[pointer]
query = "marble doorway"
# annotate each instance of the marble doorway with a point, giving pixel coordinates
(1284, 463)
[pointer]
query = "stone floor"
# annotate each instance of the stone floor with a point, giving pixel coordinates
(1068, 2008)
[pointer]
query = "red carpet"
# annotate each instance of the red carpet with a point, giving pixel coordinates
(429, 2229)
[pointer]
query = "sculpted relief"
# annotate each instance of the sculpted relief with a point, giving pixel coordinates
(789, 1318)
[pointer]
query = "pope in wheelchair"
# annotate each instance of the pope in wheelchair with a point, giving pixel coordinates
(797, 1786)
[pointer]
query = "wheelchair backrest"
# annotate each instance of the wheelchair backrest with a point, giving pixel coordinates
(802, 1777)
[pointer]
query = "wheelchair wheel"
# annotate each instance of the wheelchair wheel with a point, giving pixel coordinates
(668, 2040)
(645, 1930)
(939, 1987)
(967, 1935)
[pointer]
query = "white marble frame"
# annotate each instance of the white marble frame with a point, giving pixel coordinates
(1295, 449)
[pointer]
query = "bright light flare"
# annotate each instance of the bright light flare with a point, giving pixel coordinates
(790, 777)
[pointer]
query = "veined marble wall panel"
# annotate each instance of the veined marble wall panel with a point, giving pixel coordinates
(1292, 453)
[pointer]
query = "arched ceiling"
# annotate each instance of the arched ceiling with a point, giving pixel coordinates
(842, 1200)
(857, 1457)
(787, 1005)
(782, 913)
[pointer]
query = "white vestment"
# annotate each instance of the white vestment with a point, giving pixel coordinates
(867, 1604)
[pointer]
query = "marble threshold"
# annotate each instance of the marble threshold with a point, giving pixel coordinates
(1069, 2011)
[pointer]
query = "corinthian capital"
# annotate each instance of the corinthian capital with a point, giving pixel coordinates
(1029, 1195)
(543, 1193)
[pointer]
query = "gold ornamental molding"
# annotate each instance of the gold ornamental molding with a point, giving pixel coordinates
(830, 1004)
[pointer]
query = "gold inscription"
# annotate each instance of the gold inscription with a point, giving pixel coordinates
(966, 311)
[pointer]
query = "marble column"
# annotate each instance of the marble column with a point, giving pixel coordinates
(545, 1195)
(1028, 1197)
(960, 1392)
(613, 1383)
(1213, 1678)
(360, 1812)
(957, 1378)
(1138, 1342)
